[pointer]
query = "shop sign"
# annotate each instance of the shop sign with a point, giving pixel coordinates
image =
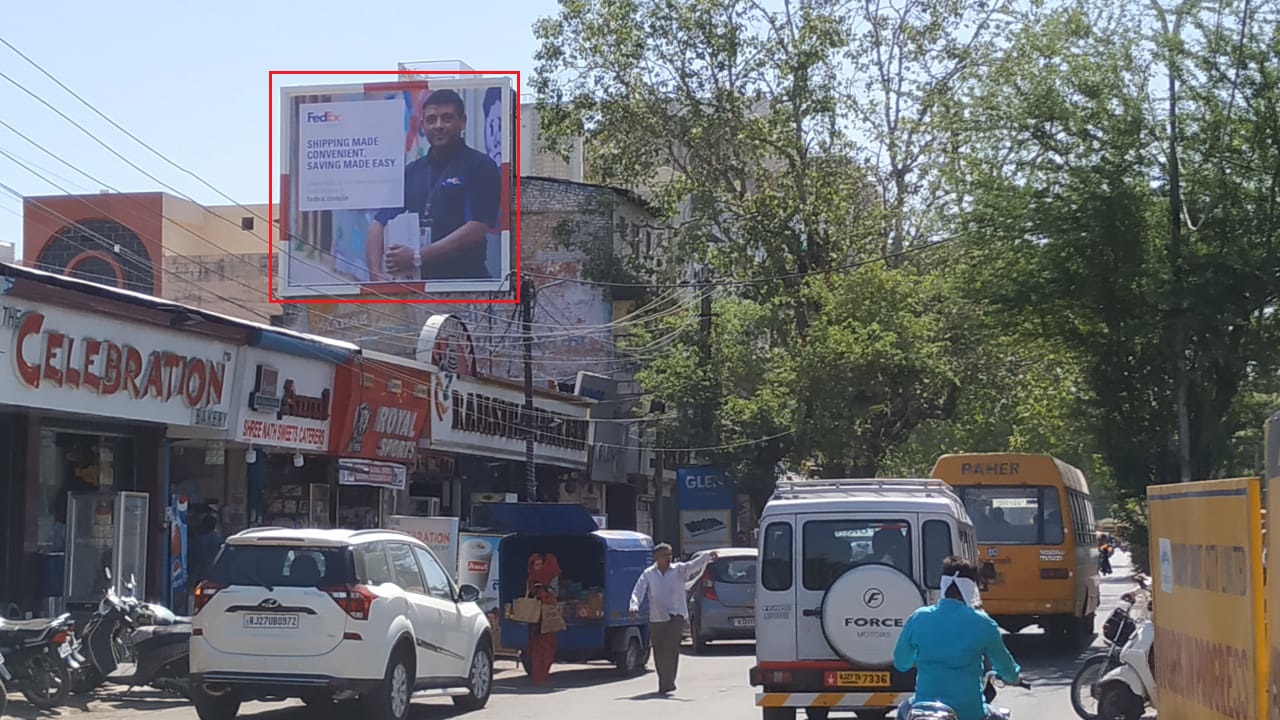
(389, 412)
(355, 471)
(79, 362)
(287, 401)
(469, 415)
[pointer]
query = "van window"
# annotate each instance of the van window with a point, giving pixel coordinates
(776, 565)
(1015, 515)
(937, 547)
(833, 546)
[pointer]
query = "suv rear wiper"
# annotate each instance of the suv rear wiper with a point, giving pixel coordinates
(257, 579)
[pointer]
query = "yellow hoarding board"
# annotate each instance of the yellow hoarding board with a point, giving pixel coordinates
(1206, 552)
(1271, 441)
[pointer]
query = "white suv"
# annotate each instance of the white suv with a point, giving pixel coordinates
(843, 564)
(331, 616)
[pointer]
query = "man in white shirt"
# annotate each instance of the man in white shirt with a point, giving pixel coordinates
(663, 583)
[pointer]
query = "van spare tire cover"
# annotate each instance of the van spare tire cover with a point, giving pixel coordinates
(864, 610)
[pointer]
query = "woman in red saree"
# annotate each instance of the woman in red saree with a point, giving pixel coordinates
(543, 584)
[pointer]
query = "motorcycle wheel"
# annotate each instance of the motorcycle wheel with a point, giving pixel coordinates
(1084, 692)
(1117, 702)
(4, 698)
(49, 683)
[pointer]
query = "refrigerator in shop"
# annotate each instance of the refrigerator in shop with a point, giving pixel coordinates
(297, 505)
(105, 531)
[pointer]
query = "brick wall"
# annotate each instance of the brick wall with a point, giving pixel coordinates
(233, 285)
(569, 318)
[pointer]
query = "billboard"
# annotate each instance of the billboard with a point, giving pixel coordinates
(396, 188)
(1206, 551)
(706, 498)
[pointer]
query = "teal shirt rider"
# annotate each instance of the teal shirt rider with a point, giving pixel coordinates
(947, 642)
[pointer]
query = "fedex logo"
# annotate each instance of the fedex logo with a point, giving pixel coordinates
(323, 117)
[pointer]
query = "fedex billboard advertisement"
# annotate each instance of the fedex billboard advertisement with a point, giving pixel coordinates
(396, 188)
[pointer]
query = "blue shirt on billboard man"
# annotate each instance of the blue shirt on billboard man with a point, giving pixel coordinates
(456, 192)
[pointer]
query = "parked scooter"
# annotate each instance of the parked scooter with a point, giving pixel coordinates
(1117, 631)
(1125, 692)
(40, 656)
(135, 643)
(5, 679)
(940, 711)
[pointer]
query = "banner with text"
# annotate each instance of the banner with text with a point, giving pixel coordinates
(705, 498)
(283, 401)
(381, 409)
(439, 533)
(1206, 551)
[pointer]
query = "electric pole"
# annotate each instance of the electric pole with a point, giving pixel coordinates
(527, 292)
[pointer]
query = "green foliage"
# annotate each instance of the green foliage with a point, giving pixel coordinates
(790, 147)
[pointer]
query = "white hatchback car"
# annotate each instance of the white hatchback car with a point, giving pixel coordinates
(330, 616)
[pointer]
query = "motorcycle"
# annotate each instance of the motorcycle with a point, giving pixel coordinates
(1117, 630)
(940, 711)
(1125, 692)
(40, 657)
(134, 643)
(5, 679)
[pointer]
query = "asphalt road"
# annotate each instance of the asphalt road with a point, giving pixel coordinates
(717, 682)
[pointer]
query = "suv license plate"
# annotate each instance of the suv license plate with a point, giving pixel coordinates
(744, 622)
(271, 621)
(858, 679)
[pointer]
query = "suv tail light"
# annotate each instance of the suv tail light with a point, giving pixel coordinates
(709, 587)
(355, 600)
(205, 592)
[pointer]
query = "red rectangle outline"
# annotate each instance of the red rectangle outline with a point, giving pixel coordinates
(384, 288)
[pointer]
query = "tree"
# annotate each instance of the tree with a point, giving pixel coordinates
(1068, 190)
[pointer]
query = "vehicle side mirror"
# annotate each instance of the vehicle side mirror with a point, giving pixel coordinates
(468, 593)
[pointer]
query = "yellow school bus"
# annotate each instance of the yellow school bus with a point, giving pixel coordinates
(1034, 518)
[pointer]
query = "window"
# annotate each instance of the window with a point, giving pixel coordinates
(275, 566)
(438, 585)
(1015, 515)
(778, 557)
(937, 547)
(734, 571)
(833, 546)
(372, 565)
(405, 568)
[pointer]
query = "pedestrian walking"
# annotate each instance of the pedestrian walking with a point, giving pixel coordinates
(664, 583)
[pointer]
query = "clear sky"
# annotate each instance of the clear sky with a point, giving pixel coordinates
(190, 79)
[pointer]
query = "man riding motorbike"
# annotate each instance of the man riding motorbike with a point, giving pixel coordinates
(948, 643)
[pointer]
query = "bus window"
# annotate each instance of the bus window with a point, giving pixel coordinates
(1015, 515)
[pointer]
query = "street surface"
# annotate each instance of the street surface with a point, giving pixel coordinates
(717, 682)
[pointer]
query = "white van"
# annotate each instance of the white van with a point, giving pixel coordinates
(843, 564)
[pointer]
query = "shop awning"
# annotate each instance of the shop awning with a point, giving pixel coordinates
(534, 518)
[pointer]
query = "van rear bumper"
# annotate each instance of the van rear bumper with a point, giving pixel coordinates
(834, 700)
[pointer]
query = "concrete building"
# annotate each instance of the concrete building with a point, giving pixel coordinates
(211, 257)
(6, 252)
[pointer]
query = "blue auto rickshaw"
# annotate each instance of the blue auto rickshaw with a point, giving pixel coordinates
(599, 569)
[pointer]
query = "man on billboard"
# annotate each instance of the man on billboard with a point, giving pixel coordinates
(454, 190)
